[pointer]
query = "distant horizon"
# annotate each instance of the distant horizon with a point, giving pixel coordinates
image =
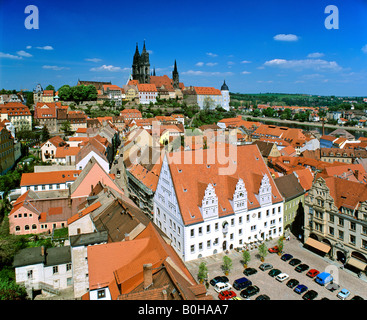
(255, 47)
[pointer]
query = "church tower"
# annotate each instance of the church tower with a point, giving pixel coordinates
(175, 77)
(141, 65)
(225, 96)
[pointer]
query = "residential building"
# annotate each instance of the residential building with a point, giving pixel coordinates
(145, 268)
(48, 148)
(114, 93)
(48, 96)
(341, 155)
(147, 93)
(208, 97)
(131, 114)
(41, 268)
(18, 114)
(7, 156)
(218, 204)
(46, 115)
(294, 197)
(44, 181)
(336, 220)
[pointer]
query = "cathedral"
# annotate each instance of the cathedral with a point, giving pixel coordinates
(141, 68)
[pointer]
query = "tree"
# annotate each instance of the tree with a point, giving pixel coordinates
(50, 87)
(66, 127)
(9, 290)
(263, 251)
(65, 93)
(280, 245)
(90, 92)
(246, 257)
(203, 272)
(78, 93)
(45, 134)
(227, 264)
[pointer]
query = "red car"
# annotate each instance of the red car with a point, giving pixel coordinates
(274, 249)
(226, 295)
(313, 273)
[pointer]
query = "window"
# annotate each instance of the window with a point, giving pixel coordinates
(68, 267)
(101, 294)
(331, 231)
(341, 235)
(331, 218)
(352, 239)
(232, 222)
(208, 228)
(240, 220)
(192, 248)
(55, 269)
(26, 227)
(200, 231)
(259, 215)
(200, 246)
(30, 274)
(216, 226)
(353, 226)
(341, 222)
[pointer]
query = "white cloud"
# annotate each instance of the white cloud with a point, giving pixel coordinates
(211, 64)
(24, 54)
(245, 72)
(200, 64)
(109, 68)
(45, 48)
(230, 63)
(9, 56)
(150, 51)
(213, 55)
(315, 64)
(364, 48)
(315, 55)
(285, 37)
(245, 61)
(93, 59)
(55, 68)
(29, 47)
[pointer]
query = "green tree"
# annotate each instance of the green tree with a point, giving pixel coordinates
(90, 93)
(66, 127)
(246, 257)
(50, 87)
(45, 134)
(263, 251)
(65, 93)
(78, 94)
(9, 290)
(203, 272)
(227, 264)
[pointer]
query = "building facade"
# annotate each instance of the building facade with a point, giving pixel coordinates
(336, 220)
(204, 213)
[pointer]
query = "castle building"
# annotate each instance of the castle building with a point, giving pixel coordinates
(141, 65)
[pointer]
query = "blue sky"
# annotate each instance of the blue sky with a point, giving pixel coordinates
(256, 46)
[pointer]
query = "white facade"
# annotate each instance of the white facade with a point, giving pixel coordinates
(216, 233)
(147, 97)
(213, 99)
(83, 162)
(225, 99)
(58, 276)
(46, 187)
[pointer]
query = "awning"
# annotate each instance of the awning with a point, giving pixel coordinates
(357, 263)
(318, 245)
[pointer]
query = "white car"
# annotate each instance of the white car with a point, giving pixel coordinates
(281, 277)
(221, 286)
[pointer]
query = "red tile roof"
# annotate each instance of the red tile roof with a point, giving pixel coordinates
(51, 177)
(207, 91)
(147, 87)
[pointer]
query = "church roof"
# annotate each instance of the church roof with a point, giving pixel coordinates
(224, 86)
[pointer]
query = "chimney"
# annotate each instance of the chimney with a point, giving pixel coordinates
(165, 296)
(148, 276)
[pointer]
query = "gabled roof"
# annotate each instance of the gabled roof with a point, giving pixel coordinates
(147, 87)
(56, 141)
(207, 91)
(289, 186)
(189, 180)
(52, 177)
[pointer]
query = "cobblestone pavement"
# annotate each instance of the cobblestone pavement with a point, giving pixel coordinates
(275, 289)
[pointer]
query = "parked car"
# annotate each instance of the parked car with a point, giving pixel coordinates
(310, 295)
(301, 267)
(262, 297)
(332, 287)
(300, 288)
(292, 283)
(249, 271)
(286, 257)
(312, 273)
(249, 292)
(323, 278)
(274, 249)
(217, 279)
(241, 283)
(282, 277)
(357, 298)
(294, 262)
(221, 286)
(235, 298)
(274, 272)
(265, 266)
(343, 294)
(226, 295)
